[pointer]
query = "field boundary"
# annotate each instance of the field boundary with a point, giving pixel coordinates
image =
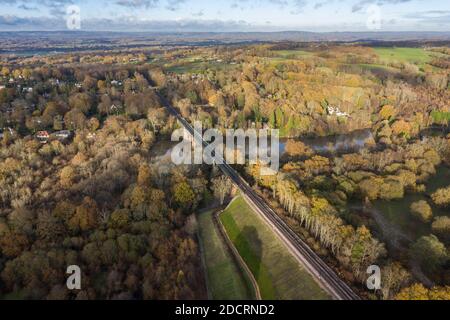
(202, 257)
(235, 253)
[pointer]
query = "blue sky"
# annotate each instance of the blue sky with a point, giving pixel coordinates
(229, 15)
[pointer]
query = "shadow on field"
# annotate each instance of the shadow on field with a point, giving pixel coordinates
(250, 236)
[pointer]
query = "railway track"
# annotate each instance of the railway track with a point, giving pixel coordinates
(326, 276)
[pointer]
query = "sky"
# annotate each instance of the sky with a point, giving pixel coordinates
(226, 15)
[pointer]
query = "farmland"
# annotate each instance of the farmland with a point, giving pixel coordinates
(411, 55)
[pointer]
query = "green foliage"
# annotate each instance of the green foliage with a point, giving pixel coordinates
(183, 194)
(120, 218)
(192, 96)
(430, 252)
(440, 117)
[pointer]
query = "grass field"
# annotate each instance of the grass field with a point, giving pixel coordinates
(287, 55)
(411, 55)
(199, 67)
(278, 274)
(293, 54)
(225, 280)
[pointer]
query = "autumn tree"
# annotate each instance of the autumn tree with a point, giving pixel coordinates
(120, 218)
(414, 292)
(157, 117)
(85, 217)
(221, 188)
(12, 244)
(441, 227)
(81, 102)
(183, 194)
(419, 292)
(387, 112)
(401, 127)
(394, 277)
(442, 197)
(421, 210)
(67, 176)
(5, 71)
(296, 148)
(75, 119)
(144, 175)
(430, 252)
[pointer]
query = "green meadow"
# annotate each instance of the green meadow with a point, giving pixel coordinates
(225, 279)
(277, 272)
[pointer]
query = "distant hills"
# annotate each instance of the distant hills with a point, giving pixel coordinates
(49, 41)
(242, 36)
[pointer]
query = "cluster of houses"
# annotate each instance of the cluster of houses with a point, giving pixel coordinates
(7, 129)
(45, 136)
(337, 112)
(24, 89)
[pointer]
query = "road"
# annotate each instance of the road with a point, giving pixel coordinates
(326, 276)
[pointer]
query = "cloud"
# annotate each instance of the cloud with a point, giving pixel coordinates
(14, 23)
(56, 8)
(174, 5)
(319, 5)
(27, 8)
(298, 6)
(198, 14)
(124, 23)
(138, 3)
(432, 17)
(281, 3)
(364, 3)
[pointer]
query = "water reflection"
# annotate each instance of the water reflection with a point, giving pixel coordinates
(339, 144)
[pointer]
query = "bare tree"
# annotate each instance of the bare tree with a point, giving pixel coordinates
(221, 188)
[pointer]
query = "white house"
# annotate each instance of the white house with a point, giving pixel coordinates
(336, 111)
(63, 134)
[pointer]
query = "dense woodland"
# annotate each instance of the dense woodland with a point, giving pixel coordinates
(98, 200)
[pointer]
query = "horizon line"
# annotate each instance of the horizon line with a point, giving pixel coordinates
(223, 32)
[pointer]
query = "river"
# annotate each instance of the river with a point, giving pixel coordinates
(337, 144)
